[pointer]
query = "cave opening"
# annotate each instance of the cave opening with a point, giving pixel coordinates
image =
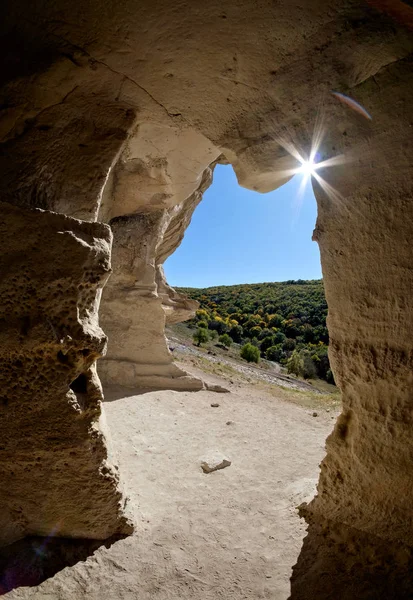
(114, 117)
(239, 236)
(249, 261)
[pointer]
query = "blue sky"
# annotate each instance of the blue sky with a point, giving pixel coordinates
(239, 236)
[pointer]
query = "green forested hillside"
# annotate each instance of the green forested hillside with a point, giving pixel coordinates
(286, 321)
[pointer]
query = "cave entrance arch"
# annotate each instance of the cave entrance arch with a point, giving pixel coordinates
(239, 237)
(116, 115)
(354, 281)
(161, 174)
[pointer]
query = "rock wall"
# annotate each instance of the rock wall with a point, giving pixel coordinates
(116, 111)
(57, 475)
(366, 478)
(155, 187)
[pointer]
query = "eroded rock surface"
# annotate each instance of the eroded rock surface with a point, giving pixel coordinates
(133, 314)
(116, 112)
(57, 474)
(366, 478)
(137, 300)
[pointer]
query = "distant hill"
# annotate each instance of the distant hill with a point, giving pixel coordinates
(285, 320)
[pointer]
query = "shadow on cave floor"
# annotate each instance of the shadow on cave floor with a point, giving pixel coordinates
(362, 568)
(116, 392)
(32, 560)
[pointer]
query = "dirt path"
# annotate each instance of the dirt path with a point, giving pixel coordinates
(231, 535)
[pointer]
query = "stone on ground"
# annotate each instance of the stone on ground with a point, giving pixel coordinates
(214, 462)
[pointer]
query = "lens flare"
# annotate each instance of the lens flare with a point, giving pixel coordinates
(308, 168)
(352, 104)
(310, 162)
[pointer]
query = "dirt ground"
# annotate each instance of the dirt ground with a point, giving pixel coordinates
(232, 534)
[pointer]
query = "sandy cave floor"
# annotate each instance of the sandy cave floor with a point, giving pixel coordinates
(232, 534)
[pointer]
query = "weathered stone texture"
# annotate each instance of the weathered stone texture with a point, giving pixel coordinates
(365, 490)
(115, 112)
(133, 314)
(163, 181)
(55, 472)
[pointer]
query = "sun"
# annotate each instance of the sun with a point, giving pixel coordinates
(308, 168)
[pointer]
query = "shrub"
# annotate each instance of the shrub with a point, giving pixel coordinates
(236, 333)
(200, 336)
(275, 353)
(250, 353)
(302, 364)
(289, 345)
(295, 364)
(309, 368)
(225, 340)
(203, 324)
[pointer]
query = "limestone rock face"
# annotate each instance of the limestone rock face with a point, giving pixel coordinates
(117, 112)
(137, 300)
(177, 307)
(57, 477)
(133, 314)
(364, 232)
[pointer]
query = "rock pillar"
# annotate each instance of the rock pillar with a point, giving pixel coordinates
(56, 470)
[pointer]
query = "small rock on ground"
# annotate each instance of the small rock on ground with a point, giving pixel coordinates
(214, 462)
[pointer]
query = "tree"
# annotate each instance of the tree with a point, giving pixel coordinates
(275, 353)
(330, 377)
(295, 364)
(289, 344)
(264, 333)
(250, 353)
(201, 314)
(292, 328)
(267, 343)
(218, 325)
(225, 340)
(275, 320)
(236, 333)
(203, 324)
(279, 337)
(255, 331)
(308, 333)
(200, 336)
(291, 314)
(309, 369)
